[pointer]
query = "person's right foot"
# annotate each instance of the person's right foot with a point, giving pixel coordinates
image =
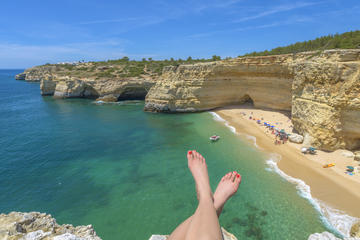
(198, 168)
(226, 188)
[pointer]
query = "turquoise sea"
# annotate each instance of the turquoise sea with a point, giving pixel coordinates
(125, 172)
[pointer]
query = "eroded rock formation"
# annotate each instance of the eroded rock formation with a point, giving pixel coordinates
(326, 99)
(35, 225)
(189, 88)
(35, 74)
(88, 80)
(321, 89)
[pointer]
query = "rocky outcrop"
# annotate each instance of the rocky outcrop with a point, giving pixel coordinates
(36, 74)
(321, 89)
(119, 89)
(296, 138)
(87, 80)
(36, 226)
(357, 156)
(355, 230)
(20, 76)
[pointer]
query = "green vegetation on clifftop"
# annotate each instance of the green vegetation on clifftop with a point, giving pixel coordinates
(122, 68)
(346, 40)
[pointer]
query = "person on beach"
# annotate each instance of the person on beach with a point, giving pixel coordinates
(204, 223)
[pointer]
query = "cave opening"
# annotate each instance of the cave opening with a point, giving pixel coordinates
(133, 94)
(246, 99)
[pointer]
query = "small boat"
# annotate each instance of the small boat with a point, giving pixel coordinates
(329, 165)
(214, 138)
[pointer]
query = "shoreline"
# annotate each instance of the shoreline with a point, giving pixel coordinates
(332, 191)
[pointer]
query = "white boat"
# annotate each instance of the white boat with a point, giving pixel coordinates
(214, 138)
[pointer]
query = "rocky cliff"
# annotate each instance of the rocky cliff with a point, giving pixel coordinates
(89, 80)
(34, 226)
(321, 89)
(266, 81)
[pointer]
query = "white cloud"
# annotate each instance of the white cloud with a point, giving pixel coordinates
(277, 9)
(293, 20)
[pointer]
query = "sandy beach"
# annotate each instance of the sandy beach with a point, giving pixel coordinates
(330, 185)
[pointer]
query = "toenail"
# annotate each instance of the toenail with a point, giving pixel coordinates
(189, 152)
(238, 175)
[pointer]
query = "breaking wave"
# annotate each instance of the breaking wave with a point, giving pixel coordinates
(336, 220)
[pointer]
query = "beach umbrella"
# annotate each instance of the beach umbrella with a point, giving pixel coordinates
(350, 167)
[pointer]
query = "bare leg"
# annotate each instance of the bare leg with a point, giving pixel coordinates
(204, 223)
(225, 189)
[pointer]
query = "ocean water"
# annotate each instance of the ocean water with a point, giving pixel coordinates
(125, 172)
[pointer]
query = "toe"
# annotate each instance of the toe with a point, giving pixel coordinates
(232, 177)
(228, 175)
(198, 157)
(237, 181)
(202, 158)
(190, 155)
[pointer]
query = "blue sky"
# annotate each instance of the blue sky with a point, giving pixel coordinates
(34, 32)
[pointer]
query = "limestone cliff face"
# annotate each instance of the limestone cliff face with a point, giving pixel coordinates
(326, 99)
(59, 81)
(322, 91)
(34, 226)
(188, 88)
(104, 89)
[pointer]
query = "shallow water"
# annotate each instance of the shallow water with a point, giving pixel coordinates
(125, 171)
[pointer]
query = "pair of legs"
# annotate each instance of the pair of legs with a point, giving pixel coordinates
(204, 223)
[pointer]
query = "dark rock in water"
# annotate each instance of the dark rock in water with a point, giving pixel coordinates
(108, 98)
(263, 213)
(236, 220)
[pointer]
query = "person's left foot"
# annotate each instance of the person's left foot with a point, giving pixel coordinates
(226, 188)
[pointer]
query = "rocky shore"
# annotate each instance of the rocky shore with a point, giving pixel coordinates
(320, 89)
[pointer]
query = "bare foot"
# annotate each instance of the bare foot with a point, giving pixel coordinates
(226, 188)
(198, 168)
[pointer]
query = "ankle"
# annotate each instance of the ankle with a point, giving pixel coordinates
(208, 197)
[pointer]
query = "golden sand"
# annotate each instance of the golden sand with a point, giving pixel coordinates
(330, 185)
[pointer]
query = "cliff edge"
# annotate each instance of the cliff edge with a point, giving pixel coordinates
(35, 225)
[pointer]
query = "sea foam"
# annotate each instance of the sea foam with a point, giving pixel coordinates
(335, 219)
